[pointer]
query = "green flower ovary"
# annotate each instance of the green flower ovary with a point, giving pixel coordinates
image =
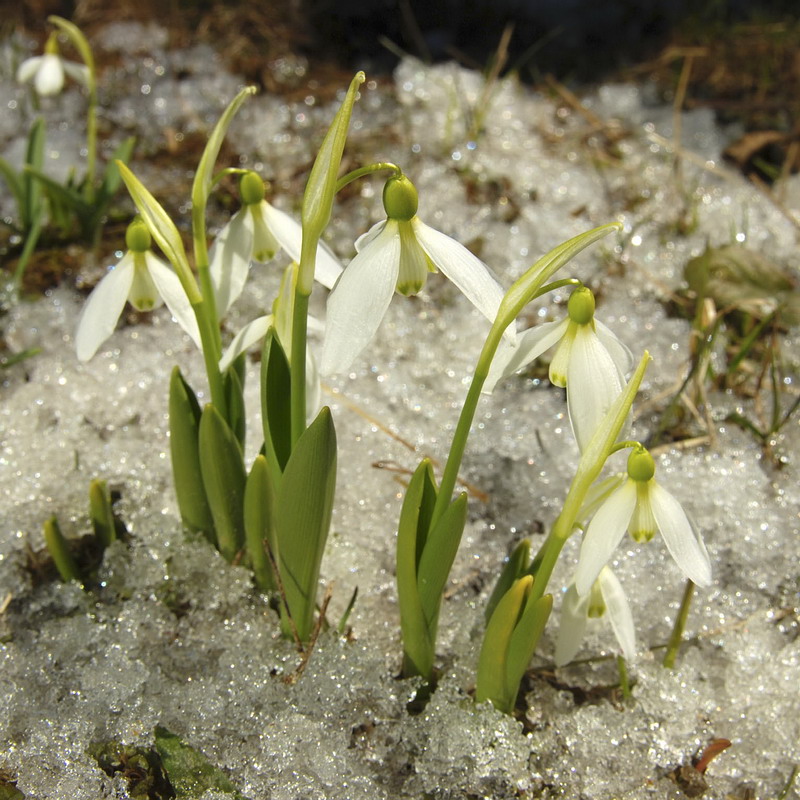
(400, 199)
(251, 188)
(581, 306)
(137, 237)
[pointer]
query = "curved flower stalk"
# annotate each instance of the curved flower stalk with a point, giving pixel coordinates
(257, 232)
(606, 597)
(590, 361)
(48, 71)
(396, 255)
(641, 506)
(140, 278)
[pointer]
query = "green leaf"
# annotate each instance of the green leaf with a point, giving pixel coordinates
(32, 191)
(63, 195)
(59, 551)
(492, 682)
(303, 516)
(525, 639)
(10, 792)
(184, 432)
(234, 399)
(189, 771)
(111, 177)
(101, 513)
(412, 528)
(276, 403)
(437, 559)
(14, 183)
(224, 477)
(513, 569)
(259, 525)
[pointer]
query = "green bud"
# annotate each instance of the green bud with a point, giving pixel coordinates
(641, 466)
(51, 45)
(251, 188)
(400, 199)
(137, 237)
(581, 306)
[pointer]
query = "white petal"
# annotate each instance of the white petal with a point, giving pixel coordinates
(618, 351)
(683, 545)
(371, 234)
(529, 346)
(28, 68)
(169, 287)
(619, 612)
(229, 259)
(603, 535)
(250, 334)
(78, 72)
(572, 626)
(359, 301)
(313, 387)
(103, 307)
(49, 78)
(290, 235)
(463, 268)
(593, 384)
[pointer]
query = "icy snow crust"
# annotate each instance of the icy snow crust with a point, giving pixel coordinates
(177, 637)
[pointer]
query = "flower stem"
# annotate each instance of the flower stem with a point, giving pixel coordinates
(679, 627)
(370, 169)
(624, 681)
(297, 357)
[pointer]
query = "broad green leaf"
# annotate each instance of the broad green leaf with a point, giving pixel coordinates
(189, 771)
(512, 570)
(64, 195)
(303, 516)
(184, 432)
(111, 177)
(224, 478)
(234, 399)
(492, 676)
(417, 504)
(59, 551)
(259, 525)
(101, 513)
(437, 559)
(32, 190)
(525, 639)
(275, 403)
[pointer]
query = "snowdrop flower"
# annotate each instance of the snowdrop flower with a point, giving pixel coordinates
(256, 233)
(606, 595)
(140, 278)
(47, 70)
(590, 361)
(641, 506)
(397, 254)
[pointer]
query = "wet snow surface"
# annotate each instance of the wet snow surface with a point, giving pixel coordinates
(176, 637)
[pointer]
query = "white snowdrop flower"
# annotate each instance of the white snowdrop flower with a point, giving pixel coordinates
(606, 598)
(641, 506)
(47, 70)
(590, 361)
(257, 232)
(139, 278)
(397, 254)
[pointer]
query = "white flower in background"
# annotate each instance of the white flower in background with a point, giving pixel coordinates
(281, 320)
(641, 506)
(606, 598)
(397, 254)
(590, 361)
(257, 232)
(47, 70)
(139, 278)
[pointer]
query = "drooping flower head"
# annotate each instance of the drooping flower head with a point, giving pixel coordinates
(140, 278)
(606, 598)
(47, 70)
(590, 361)
(396, 255)
(641, 506)
(257, 232)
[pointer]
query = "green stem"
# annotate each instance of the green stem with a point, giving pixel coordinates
(624, 681)
(27, 250)
(91, 137)
(676, 637)
(200, 247)
(370, 169)
(297, 361)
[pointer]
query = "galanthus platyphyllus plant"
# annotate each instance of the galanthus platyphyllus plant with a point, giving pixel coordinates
(396, 255)
(606, 598)
(641, 506)
(590, 361)
(256, 233)
(140, 278)
(47, 71)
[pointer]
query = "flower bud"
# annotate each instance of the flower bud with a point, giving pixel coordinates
(400, 199)
(137, 237)
(251, 188)
(641, 466)
(581, 306)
